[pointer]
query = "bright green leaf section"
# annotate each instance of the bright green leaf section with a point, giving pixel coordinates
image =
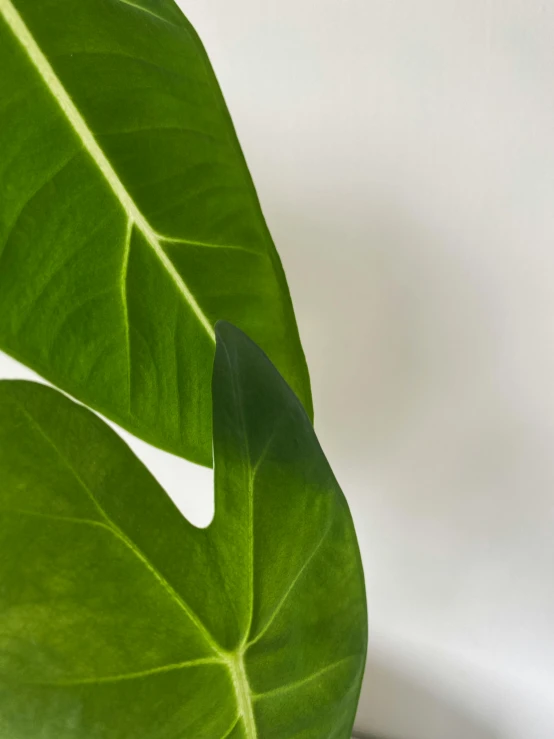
(119, 619)
(128, 220)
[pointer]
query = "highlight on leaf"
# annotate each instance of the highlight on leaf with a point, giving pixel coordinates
(129, 223)
(120, 619)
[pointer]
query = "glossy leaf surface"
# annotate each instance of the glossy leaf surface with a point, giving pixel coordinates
(128, 220)
(119, 619)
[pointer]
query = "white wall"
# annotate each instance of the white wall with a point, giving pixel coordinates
(404, 155)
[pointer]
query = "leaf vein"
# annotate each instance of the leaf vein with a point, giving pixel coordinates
(133, 675)
(148, 12)
(81, 128)
(55, 517)
(290, 588)
(125, 303)
(304, 681)
(51, 177)
(156, 129)
(231, 728)
(123, 537)
(208, 245)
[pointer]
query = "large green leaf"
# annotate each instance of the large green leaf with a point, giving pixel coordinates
(120, 620)
(128, 220)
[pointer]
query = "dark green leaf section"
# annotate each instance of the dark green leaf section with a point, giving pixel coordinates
(128, 220)
(120, 620)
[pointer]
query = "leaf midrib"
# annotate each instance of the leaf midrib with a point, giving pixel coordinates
(37, 57)
(232, 660)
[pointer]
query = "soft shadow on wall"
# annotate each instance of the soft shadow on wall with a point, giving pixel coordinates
(429, 421)
(400, 708)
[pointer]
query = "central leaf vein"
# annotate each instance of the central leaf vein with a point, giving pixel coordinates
(81, 128)
(233, 661)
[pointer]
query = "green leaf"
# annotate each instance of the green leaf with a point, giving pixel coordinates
(128, 220)
(121, 620)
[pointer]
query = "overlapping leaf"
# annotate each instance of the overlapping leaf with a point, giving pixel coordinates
(118, 619)
(128, 220)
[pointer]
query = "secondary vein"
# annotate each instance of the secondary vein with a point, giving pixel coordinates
(148, 12)
(125, 302)
(231, 728)
(120, 534)
(80, 126)
(304, 681)
(208, 245)
(133, 675)
(290, 588)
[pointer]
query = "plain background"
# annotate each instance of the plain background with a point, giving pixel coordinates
(403, 151)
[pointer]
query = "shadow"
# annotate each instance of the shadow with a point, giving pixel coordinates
(413, 409)
(393, 706)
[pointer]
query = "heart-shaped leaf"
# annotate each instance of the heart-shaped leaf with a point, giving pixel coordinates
(128, 220)
(119, 619)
